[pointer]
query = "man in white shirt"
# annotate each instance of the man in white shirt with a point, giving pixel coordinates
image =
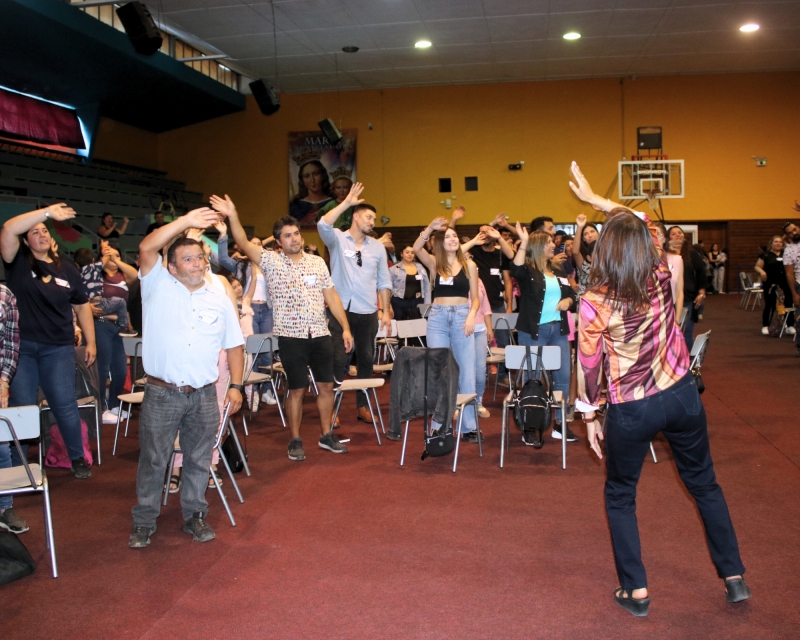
(186, 324)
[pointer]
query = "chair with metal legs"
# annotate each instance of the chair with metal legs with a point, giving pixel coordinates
(23, 423)
(365, 386)
(130, 399)
(133, 350)
(501, 321)
(257, 344)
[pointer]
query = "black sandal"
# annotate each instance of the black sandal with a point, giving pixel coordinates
(174, 484)
(736, 590)
(637, 606)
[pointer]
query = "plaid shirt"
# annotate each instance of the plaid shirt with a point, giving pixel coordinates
(9, 333)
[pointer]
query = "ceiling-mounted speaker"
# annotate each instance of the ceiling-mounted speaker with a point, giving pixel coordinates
(329, 129)
(265, 97)
(140, 27)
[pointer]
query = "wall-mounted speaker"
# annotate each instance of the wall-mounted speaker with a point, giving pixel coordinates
(649, 138)
(140, 27)
(265, 97)
(329, 129)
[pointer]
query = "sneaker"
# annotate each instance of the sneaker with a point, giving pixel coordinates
(115, 411)
(765, 330)
(571, 437)
(109, 417)
(125, 333)
(140, 537)
(296, 450)
(10, 521)
(483, 412)
(471, 436)
(199, 528)
(791, 331)
(330, 442)
(393, 436)
(533, 439)
(80, 469)
(268, 397)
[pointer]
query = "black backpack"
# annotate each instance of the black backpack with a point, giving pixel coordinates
(439, 442)
(532, 411)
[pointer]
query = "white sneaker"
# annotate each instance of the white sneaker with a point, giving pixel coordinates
(791, 331)
(268, 398)
(109, 418)
(115, 411)
(765, 331)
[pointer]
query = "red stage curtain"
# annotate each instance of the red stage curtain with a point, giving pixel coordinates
(24, 118)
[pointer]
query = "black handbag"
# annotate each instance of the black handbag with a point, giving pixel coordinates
(15, 561)
(698, 380)
(231, 453)
(441, 441)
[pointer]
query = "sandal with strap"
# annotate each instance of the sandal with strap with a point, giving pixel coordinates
(174, 484)
(637, 606)
(736, 590)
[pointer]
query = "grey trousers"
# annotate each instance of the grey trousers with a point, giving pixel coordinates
(166, 412)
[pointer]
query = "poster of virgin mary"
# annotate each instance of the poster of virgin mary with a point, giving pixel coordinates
(320, 174)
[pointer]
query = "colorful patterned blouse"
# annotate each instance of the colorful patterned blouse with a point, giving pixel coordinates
(641, 354)
(296, 289)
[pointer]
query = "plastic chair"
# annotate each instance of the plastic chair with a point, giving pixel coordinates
(254, 347)
(28, 478)
(365, 386)
(133, 350)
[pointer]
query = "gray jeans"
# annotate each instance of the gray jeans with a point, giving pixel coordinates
(164, 413)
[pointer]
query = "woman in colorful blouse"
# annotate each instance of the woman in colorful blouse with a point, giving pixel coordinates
(628, 331)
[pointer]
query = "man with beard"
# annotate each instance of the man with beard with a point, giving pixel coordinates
(791, 262)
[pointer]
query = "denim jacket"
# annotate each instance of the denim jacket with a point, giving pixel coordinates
(399, 281)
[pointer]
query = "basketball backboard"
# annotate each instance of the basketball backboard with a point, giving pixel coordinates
(650, 179)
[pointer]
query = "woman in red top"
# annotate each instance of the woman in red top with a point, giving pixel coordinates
(628, 332)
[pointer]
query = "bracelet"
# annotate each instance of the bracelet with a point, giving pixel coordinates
(423, 236)
(238, 387)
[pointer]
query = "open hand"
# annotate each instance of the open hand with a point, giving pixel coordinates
(522, 232)
(61, 212)
(581, 220)
(581, 186)
(221, 228)
(53, 246)
(438, 224)
(202, 218)
(594, 433)
(225, 207)
(352, 198)
(499, 220)
(458, 213)
(490, 231)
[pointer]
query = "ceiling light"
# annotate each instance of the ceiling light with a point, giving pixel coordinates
(572, 35)
(749, 27)
(422, 44)
(350, 49)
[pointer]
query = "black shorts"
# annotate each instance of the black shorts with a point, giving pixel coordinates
(298, 354)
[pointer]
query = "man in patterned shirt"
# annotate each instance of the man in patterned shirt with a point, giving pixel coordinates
(791, 262)
(300, 287)
(9, 354)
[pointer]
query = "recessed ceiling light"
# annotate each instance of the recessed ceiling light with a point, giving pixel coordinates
(422, 44)
(750, 27)
(572, 35)
(349, 49)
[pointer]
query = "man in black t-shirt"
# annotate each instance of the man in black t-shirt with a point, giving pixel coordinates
(158, 218)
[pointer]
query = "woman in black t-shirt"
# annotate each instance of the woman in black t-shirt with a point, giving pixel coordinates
(770, 268)
(47, 291)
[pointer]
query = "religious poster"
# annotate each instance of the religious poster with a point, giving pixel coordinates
(320, 174)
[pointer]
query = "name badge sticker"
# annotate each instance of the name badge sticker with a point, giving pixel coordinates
(779, 259)
(495, 272)
(62, 283)
(209, 317)
(310, 281)
(349, 253)
(418, 276)
(564, 281)
(446, 281)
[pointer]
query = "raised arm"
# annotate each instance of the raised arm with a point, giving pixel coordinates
(522, 232)
(227, 209)
(128, 272)
(351, 200)
(583, 190)
(16, 226)
(419, 244)
(458, 213)
(160, 238)
(124, 226)
(501, 223)
(577, 256)
(490, 231)
(478, 239)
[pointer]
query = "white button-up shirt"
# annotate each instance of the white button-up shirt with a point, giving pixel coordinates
(183, 331)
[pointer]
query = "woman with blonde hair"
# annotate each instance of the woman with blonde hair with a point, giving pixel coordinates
(451, 319)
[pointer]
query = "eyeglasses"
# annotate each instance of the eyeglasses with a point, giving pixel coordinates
(358, 258)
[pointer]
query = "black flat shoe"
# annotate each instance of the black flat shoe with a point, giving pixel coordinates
(636, 606)
(736, 590)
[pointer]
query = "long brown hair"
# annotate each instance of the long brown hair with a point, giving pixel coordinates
(439, 253)
(535, 253)
(623, 262)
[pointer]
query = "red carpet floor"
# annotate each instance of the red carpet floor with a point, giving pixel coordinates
(354, 546)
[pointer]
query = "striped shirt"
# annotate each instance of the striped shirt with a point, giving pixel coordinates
(641, 354)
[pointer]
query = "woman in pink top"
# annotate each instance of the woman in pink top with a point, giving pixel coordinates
(484, 334)
(628, 332)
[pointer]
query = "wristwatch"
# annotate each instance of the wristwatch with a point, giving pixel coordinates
(238, 387)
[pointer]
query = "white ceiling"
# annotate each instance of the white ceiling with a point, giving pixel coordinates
(485, 40)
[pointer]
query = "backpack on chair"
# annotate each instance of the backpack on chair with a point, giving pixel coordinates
(441, 441)
(532, 410)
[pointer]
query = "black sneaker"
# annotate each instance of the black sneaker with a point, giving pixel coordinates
(80, 469)
(393, 436)
(571, 437)
(330, 442)
(533, 439)
(10, 521)
(296, 450)
(471, 436)
(199, 528)
(140, 537)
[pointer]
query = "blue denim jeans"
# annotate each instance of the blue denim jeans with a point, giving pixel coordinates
(446, 330)
(481, 351)
(110, 359)
(51, 367)
(263, 322)
(550, 336)
(688, 325)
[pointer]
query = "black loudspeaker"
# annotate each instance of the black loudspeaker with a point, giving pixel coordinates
(265, 97)
(141, 29)
(329, 129)
(648, 138)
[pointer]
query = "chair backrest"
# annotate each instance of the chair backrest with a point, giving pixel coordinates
(551, 357)
(133, 347)
(223, 424)
(260, 343)
(684, 313)
(424, 310)
(505, 320)
(699, 349)
(412, 328)
(25, 421)
(382, 332)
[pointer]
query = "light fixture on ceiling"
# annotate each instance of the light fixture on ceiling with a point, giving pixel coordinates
(422, 44)
(350, 49)
(749, 27)
(572, 35)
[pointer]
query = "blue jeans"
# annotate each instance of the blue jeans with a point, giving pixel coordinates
(52, 367)
(446, 330)
(110, 358)
(550, 336)
(688, 325)
(481, 351)
(263, 323)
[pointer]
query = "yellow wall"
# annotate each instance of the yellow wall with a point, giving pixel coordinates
(714, 123)
(123, 143)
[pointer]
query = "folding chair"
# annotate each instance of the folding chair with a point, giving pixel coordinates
(698, 354)
(130, 399)
(365, 386)
(222, 430)
(133, 350)
(785, 318)
(28, 478)
(254, 347)
(412, 329)
(424, 310)
(384, 348)
(516, 361)
(497, 354)
(750, 292)
(684, 314)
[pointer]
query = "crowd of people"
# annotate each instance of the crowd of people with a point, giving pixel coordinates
(593, 295)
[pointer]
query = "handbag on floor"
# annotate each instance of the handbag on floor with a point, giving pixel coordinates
(438, 442)
(57, 451)
(15, 561)
(231, 454)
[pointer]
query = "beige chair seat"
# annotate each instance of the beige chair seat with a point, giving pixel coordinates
(277, 366)
(257, 378)
(495, 359)
(381, 368)
(464, 398)
(132, 398)
(558, 395)
(386, 341)
(81, 402)
(361, 383)
(16, 477)
(141, 382)
(498, 351)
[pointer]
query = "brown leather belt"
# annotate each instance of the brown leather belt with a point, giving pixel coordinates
(158, 382)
